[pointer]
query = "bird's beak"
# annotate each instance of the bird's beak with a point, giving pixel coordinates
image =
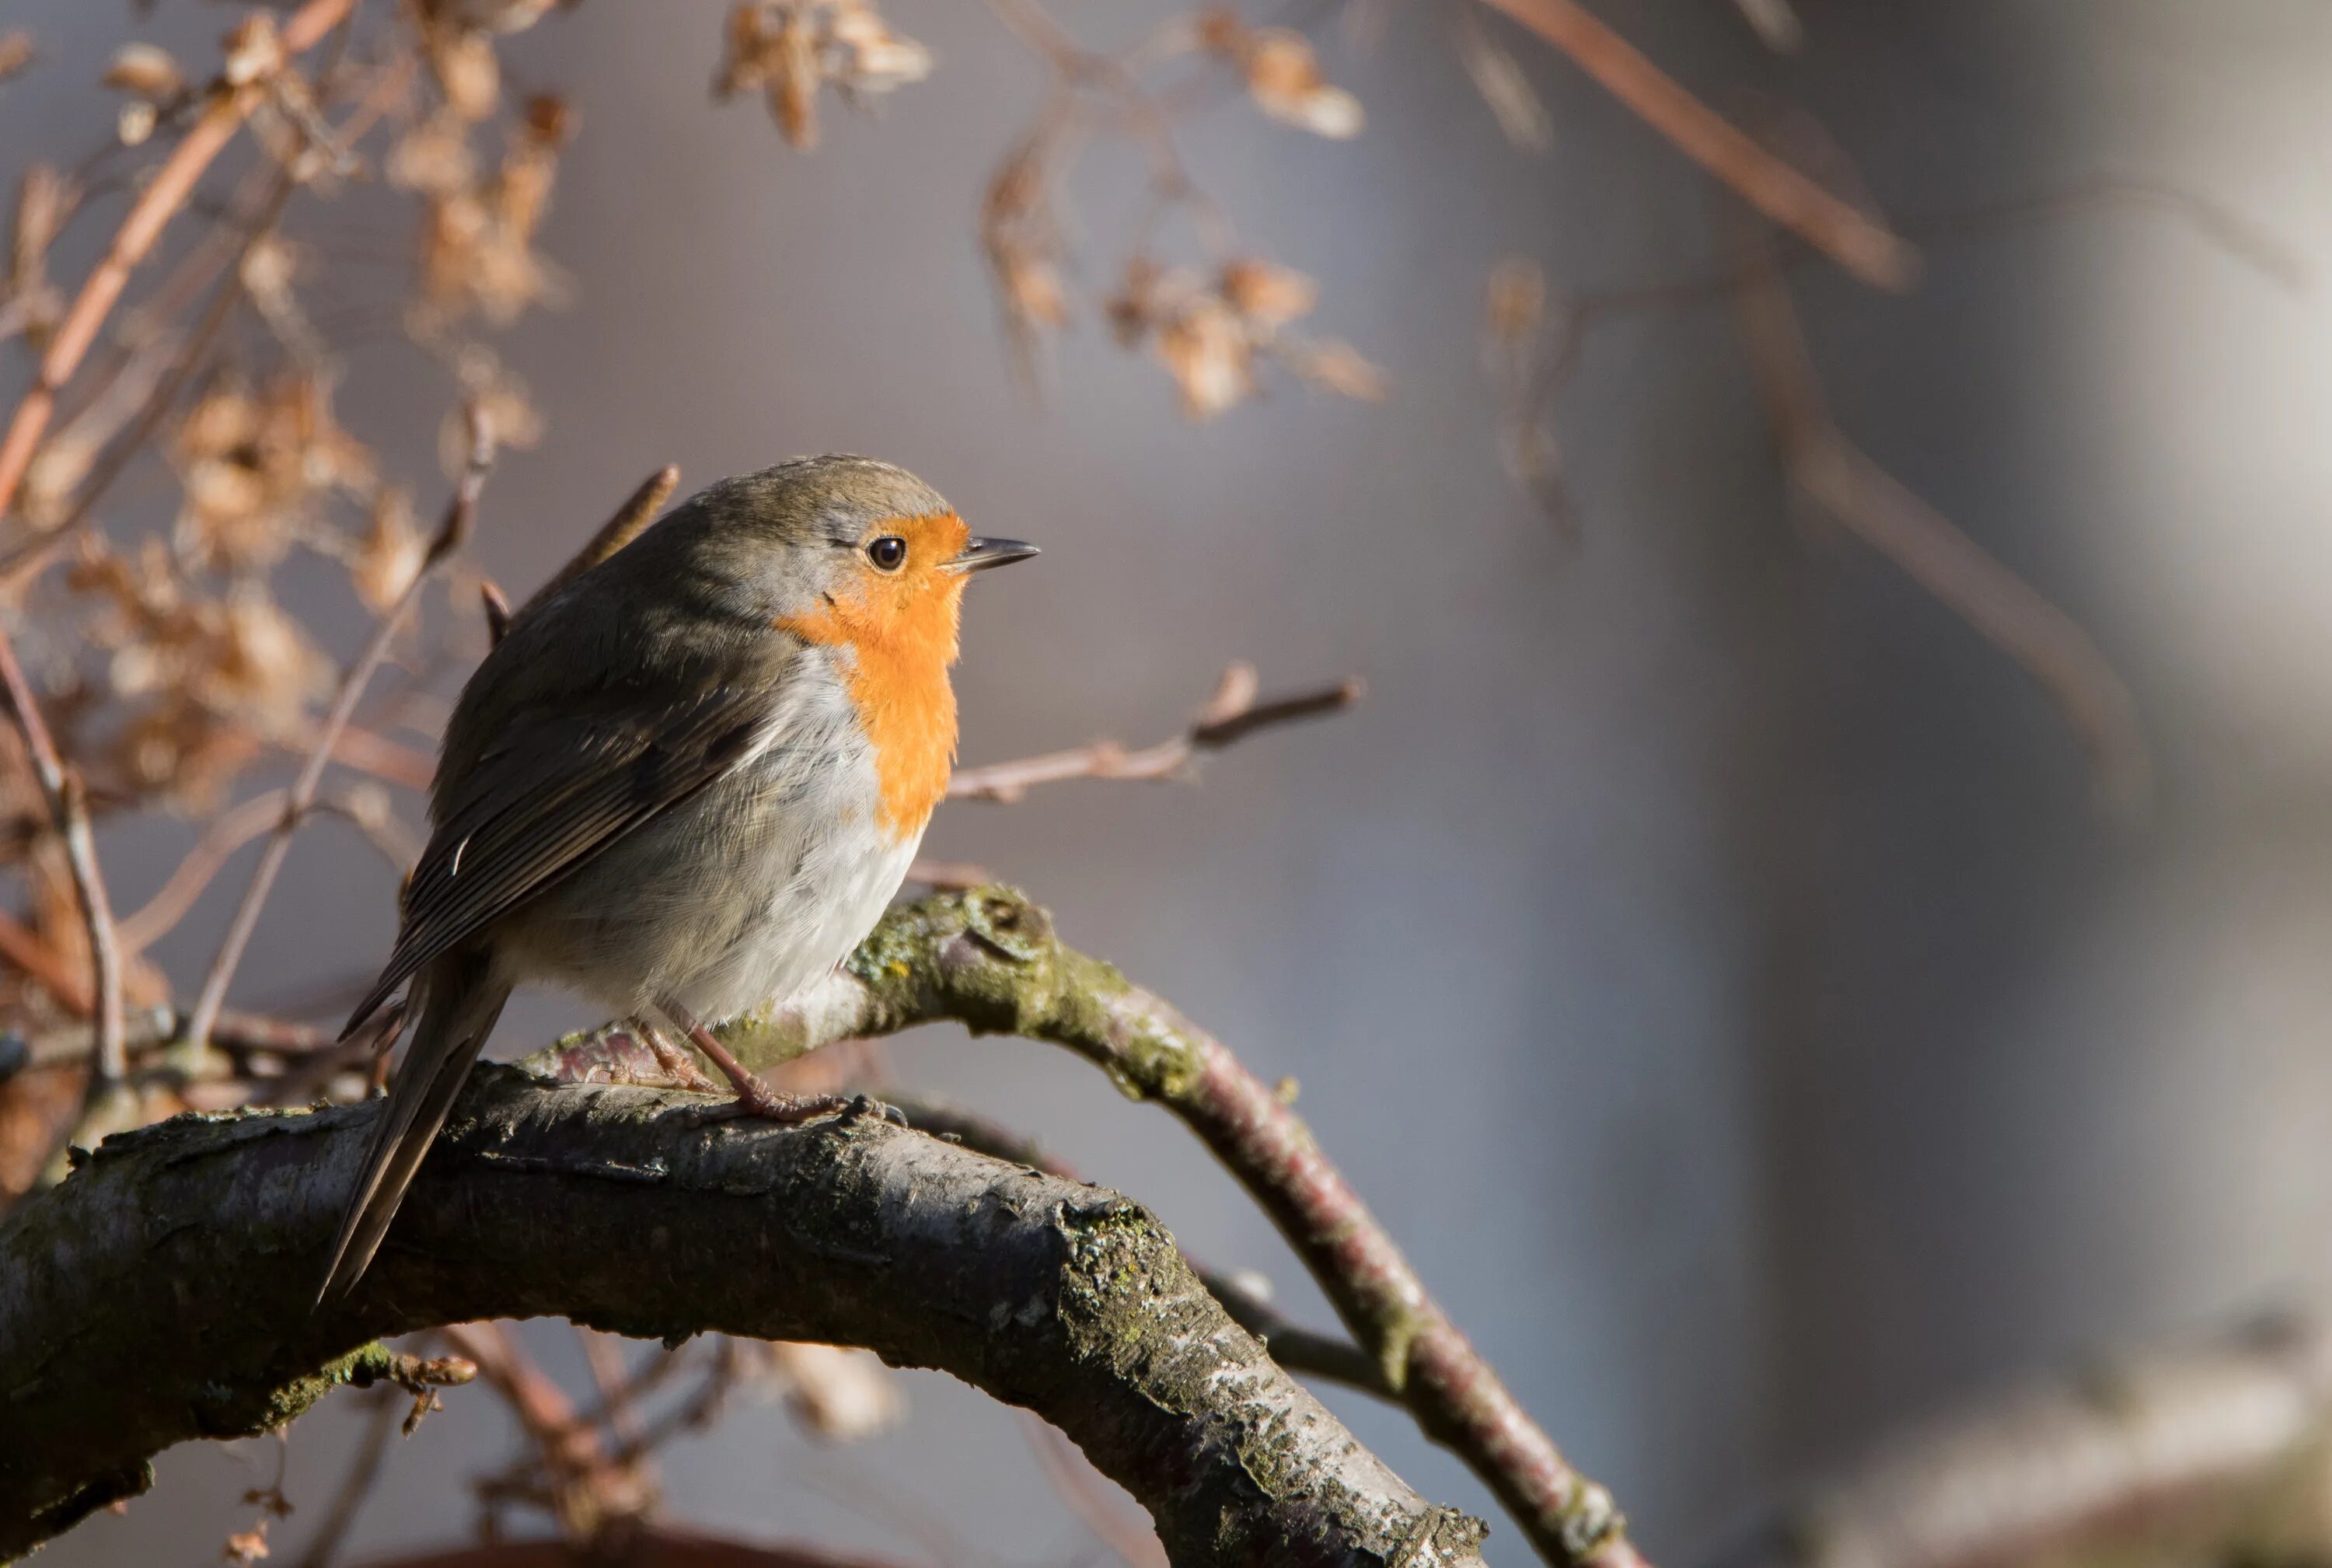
(980, 554)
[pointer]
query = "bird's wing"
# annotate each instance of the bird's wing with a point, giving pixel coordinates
(553, 791)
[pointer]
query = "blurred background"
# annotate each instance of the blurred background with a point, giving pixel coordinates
(1708, 956)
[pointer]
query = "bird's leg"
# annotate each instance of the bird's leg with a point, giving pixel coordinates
(677, 1064)
(754, 1097)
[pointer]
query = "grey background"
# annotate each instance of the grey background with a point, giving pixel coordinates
(1700, 949)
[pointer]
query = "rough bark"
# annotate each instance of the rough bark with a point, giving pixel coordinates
(162, 1294)
(988, 958)
(2213, 1450)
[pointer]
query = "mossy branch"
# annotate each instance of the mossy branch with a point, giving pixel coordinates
(988, 958)
(161, 1293)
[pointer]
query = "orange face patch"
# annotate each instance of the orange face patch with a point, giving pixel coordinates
(900, 627)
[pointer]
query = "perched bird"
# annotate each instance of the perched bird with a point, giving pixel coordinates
(684, 785)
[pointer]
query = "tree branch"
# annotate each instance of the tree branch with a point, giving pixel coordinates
(452, 533)
(1877, 508)
(1300, 1350)
(630, 520)
(1231, 715)
(162, 1294)
(2210, 1449)
(230, 105)
(68, 800)
(990, 960)
(1853, 239)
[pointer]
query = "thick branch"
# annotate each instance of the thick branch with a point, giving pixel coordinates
(2212, 1450)
(990, 959)
(162, 1294)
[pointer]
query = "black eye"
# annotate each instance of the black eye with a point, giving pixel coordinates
(888, 553)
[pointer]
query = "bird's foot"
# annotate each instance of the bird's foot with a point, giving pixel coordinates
(756, 1099)
(677, 1064)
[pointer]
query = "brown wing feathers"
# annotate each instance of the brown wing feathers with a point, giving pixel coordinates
(502, 844)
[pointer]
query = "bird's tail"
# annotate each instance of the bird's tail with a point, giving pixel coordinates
(461, 999)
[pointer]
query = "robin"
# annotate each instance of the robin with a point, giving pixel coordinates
(685, 785)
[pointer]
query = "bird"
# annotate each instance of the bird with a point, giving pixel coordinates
(686, 784)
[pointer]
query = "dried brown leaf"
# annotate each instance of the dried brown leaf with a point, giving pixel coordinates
(1268, 295)
(16, 52)
(146, 71)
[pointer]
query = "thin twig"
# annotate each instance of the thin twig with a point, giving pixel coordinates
(1075, 1482)
(1535, 351)
(639, 510)
(117, 458)
(452, 533)
(151, 1028)
(69, 810)
(1853, 239)
(157, 204)
(1869, 502)
(947, 873)
(363, 1471)
(233, 828)
(613, 1381)
(1231, 715)
(23, 947)
(360, 748)
(575, 1475)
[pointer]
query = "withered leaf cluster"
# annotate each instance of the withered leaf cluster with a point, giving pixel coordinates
(788, 50)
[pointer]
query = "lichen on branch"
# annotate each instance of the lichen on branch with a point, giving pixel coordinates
(162, 1292)
(990, 959)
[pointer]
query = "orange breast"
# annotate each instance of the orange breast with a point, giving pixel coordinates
(898, 638)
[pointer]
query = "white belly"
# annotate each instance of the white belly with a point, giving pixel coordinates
(738, 898)
(807, 928)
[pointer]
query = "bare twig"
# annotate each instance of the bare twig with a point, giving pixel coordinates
(1537, 332)
(497, 606)
(241, 824)
(1231, 715)
(453, 532)
(238, 826)
(152, 1028)
(69, 808)
(639, 510)
(21, 946)
(363, 1473)
(2006, 611)
(575, 1476)
(389, 761)
(158, 402)
(1853, 239)
(1304, 1351)
(157, 204)
(947, 873)
(1077, 1483)
(661, 1545)
(613, 1381)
